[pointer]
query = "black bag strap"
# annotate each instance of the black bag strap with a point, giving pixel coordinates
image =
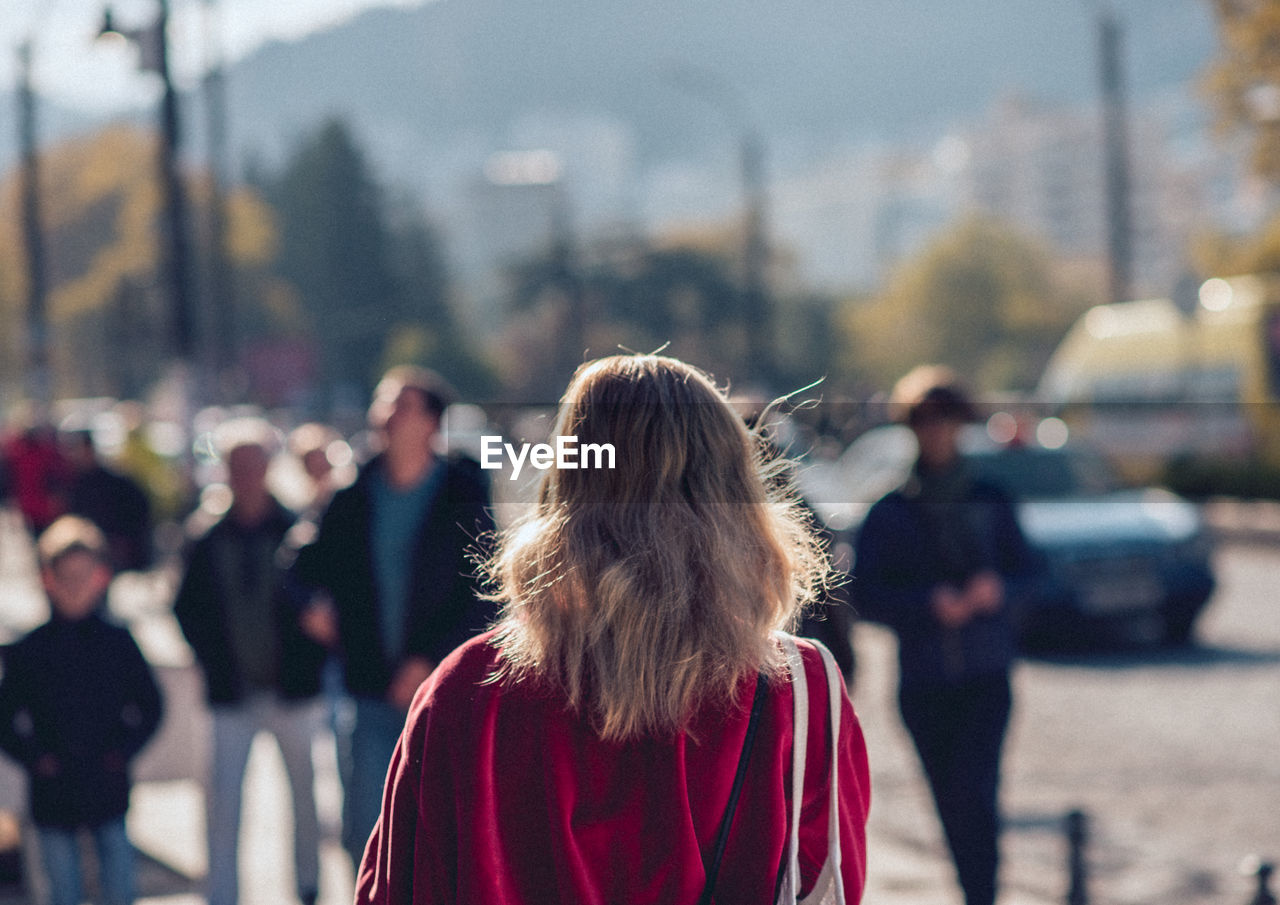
(757, 707)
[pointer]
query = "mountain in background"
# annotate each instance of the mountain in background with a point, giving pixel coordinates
(456, 72)
(433, 90)
(452, 75)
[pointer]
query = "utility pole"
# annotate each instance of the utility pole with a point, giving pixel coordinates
(755, 303)
(177, 261)
(39, 384)
(153, 41)
(220, 281)
(1118, 186)
(755, 256)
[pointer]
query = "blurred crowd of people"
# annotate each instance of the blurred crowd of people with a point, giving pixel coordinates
(49, 473)
(361, 586)
(332, 598)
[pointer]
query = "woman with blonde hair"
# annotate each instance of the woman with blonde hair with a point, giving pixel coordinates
(635, 729)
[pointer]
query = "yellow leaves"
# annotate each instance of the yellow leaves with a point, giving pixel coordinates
(98, 204)
(102, 226)
(980, 298)
(886, 334)
(13, 283)
(1222, 254)
(252, 239)
(1243, 84)
(118, 161)
(101, 210)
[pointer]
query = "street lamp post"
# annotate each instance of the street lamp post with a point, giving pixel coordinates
(1118, 185)
(220, 282)
(755, 286)
(154, 44)
(39, 384)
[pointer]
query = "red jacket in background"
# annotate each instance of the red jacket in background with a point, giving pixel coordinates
(498, 794)
(39, 477)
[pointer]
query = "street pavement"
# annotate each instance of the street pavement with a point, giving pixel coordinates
(166, 814)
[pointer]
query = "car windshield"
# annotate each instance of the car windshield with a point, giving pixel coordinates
(1031, 473)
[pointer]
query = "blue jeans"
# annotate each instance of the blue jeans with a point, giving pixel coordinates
(374, 735)
(60, 854)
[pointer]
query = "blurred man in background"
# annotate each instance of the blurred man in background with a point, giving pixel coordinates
(115, 503)
(393, 553)
(936, 560)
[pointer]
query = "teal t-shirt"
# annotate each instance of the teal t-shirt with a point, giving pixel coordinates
(398, 515)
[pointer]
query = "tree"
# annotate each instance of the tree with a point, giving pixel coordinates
(369, 272)
(335, 251)
(979, 298)
(107, 309)
(638, 297)
(1243, 88)
(1243, 83)
(427, 330)
(807, 342)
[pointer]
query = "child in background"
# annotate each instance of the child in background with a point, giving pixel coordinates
(77, 703)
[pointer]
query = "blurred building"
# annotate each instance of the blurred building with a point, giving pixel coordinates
(514, 209)
(561, 176)
(849, 219)
(597, 159)
(1041, 170)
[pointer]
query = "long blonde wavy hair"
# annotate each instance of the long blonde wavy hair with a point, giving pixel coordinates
(647, 591)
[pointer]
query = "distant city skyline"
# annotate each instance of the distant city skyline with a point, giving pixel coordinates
(93, 77)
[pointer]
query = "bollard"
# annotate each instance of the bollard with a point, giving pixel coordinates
(1261, 870)
(1077, 836)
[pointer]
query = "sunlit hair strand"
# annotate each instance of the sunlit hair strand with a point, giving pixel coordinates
(648, 591)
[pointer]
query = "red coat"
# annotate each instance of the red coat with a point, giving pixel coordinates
(499, 794)
(39, 476)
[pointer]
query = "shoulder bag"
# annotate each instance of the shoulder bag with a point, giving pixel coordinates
(829, 888)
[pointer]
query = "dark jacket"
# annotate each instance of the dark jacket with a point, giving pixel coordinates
(120, 509)
(443, 609)
(202, 611)
(81, 695)
(899, 561)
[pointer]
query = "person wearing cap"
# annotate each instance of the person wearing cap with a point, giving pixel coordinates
(937, 561)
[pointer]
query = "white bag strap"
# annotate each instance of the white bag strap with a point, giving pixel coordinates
(800, 734)
(835, 696)
(829, 887)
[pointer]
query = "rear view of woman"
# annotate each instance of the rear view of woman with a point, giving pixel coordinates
(587, 750)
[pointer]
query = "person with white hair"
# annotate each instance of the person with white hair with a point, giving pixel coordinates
(261, 671)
